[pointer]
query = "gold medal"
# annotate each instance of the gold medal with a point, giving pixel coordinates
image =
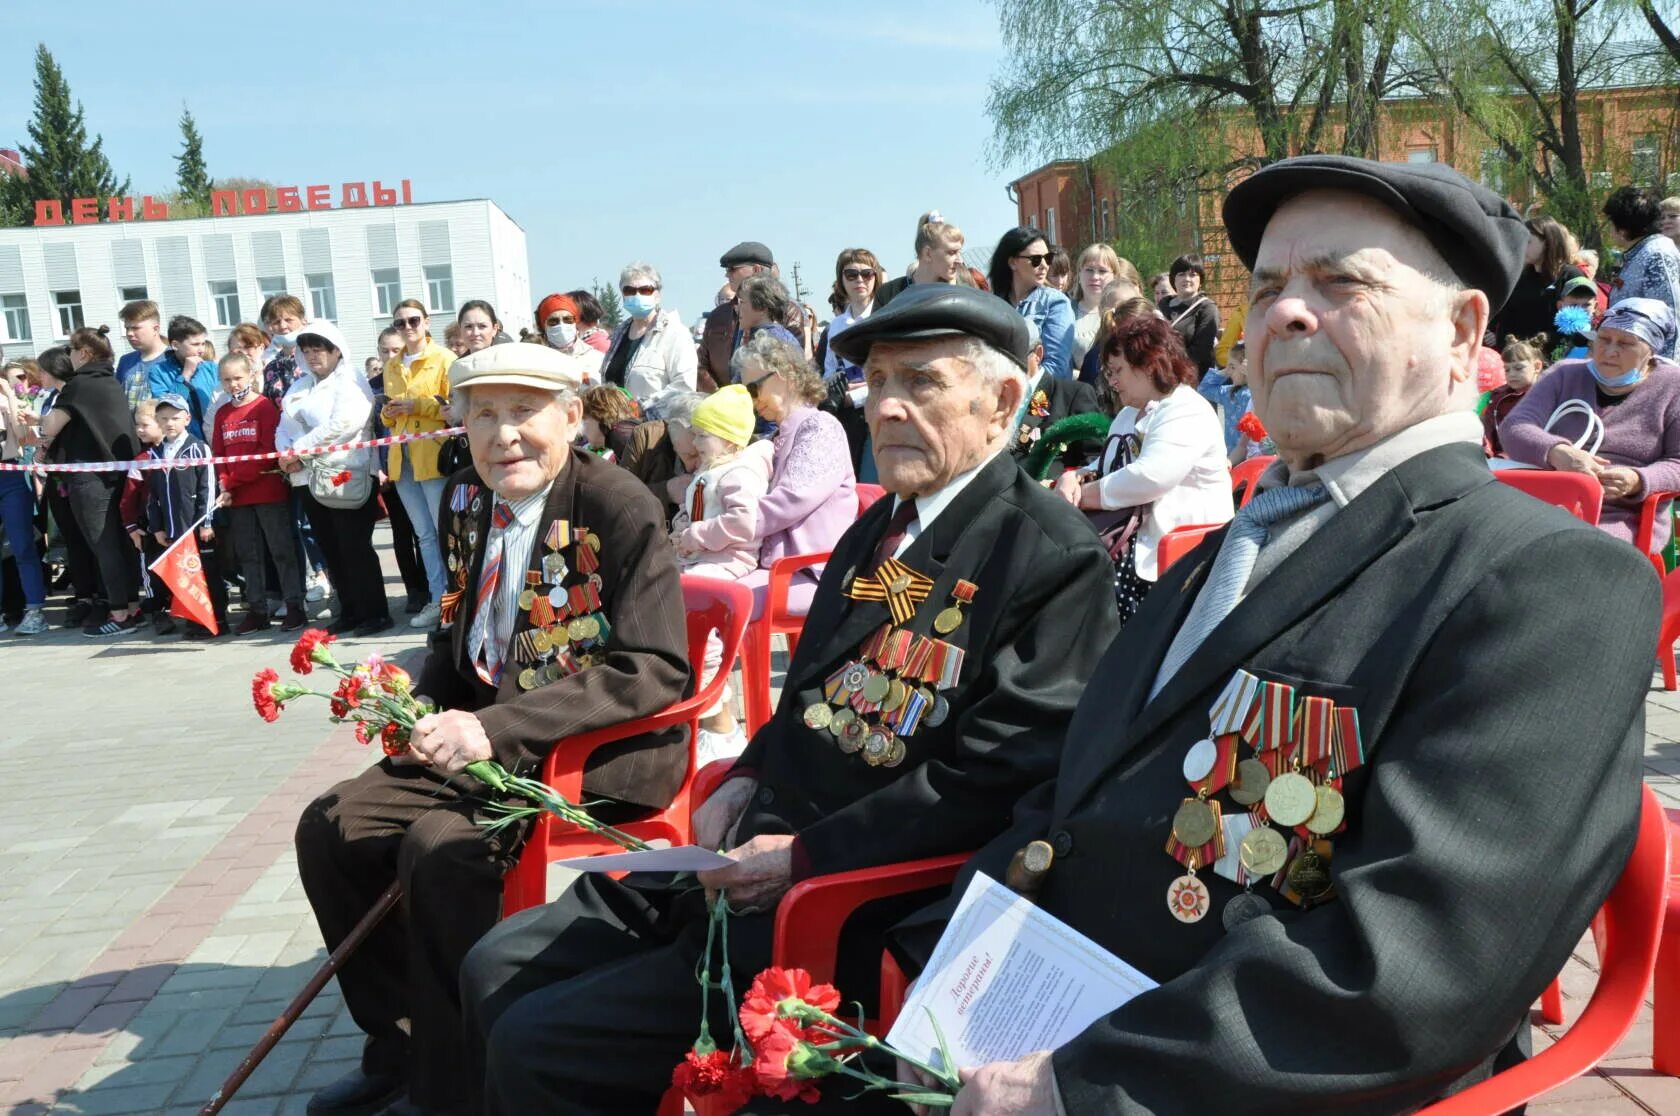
(877, 746)
(948, 620)
(1263, 851)
(1251, 782)
(1290, 799)
(527, 599)
(875, 688)
(1329, 811)
(1195, 823)
(1309, 876)
(577, 630)
(527, 679)
(851, 737)
(896, 752)
(818, 715)
(839, 719)
(1188, 899)
(540, 640)
(898, 584)
(896, 693)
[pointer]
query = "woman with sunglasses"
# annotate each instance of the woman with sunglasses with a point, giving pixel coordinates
(417, 396)
(1020, 275)
(561, 320)
(857, 279)
(651, 355)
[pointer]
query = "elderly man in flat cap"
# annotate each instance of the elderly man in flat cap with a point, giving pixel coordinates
(512, 673)
(1335, 788)
(723, 334)
(946, 645)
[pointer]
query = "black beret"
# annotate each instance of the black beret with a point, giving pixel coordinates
(930, 310)
(1476, 231)
(747, 252)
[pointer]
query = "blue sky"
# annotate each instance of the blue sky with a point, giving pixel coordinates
(609, 131)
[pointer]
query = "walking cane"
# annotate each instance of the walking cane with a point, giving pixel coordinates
(248, 1065)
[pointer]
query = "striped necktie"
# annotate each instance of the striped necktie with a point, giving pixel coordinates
(485, 644)
(1231, 570)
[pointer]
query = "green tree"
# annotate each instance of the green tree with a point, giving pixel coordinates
(192, 179)
(612, 307)
(63, 164)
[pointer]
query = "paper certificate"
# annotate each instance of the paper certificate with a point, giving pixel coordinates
(683, 858)
(1007, 979)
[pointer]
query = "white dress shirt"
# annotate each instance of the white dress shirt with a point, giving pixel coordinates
(928, 507)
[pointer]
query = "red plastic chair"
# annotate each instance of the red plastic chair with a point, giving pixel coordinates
(1655, 503)
(1576, 493)
(1244, 476)
(1670, 630)
(1178, 542)
(712, 605)
(778, 619)
(1627, 930)
(1665, 996)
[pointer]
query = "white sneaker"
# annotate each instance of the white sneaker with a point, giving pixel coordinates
(319, 587)
(427, 617)
(34, 622)
(5, 627)
(719, 745)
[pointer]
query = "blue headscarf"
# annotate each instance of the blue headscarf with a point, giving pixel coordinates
(1648, 319)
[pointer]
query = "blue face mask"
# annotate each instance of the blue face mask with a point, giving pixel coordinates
(1626, 380)
(640, 306)
(284, 340)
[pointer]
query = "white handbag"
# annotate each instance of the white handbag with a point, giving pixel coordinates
(1594, 431)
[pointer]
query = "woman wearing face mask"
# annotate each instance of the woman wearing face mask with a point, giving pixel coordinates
(1632, 446)
(651, 355)
(560, 319)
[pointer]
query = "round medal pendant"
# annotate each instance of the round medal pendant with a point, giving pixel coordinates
(854, 678)
(1251, 782)
(1290, 799)
(938, 710)
(1199, 760)
(554, 567)
(1243, 908)
(557, 597)
(948, 620)
(896, 751)
(1187, 899)
(591, 627)
(1329, 811)
(898, 584)
(592, 541)
(527, 599)
(1194, 824)
(454, 562)
(1263, 851)
(540, 640)
(896, 693)
(851, 737)
(1309, 876)
(838, 721)
(552, 672)
(876, 746)
(875, 688)
(527, 679)
(577, 630)
(818, 716)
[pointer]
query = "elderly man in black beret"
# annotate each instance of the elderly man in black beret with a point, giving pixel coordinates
(947, 643)
(1335, 788)
(723, 334)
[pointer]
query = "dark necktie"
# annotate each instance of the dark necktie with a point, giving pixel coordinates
(902, 517)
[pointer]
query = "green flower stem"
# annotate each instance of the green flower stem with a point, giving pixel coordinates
(876, 1081)
(706, 987)
(849, 1038)
(721, 914)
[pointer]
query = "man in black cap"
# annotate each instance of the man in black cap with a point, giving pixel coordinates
(1335, 787)
(945, 648)
(722, 335)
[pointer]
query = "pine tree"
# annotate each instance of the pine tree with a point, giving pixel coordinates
(62, 164)
(612, 307)
(192, 179)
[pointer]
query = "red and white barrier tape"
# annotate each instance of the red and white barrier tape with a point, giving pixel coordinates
(199, 462)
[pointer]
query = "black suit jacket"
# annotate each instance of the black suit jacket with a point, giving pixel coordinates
(1032, 636)
(1498, 652)
(646, 667)
(1063, 398)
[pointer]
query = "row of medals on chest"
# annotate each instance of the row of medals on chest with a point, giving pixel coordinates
(895, 686)
(1301, 753)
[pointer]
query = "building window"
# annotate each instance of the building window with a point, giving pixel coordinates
(1645, 158)
(1050, 225)
(270, 286)
(386, 290)
(440, 288)
(323, 300)
(224, 294)
(1493, 169)
(14, 317)
(1424, 153)
(132, 294)
(69, 304)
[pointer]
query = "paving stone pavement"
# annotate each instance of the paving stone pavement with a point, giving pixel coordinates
(152, 923)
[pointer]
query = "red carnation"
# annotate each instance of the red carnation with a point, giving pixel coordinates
(780, 1065)
(311, 649)
(341, 478)
(715, 1075)
(348, 696)
(1250, 424)
(394, 738)
(775, 986)
(262, 695)
(362, 734)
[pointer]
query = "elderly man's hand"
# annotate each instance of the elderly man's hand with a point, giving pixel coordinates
(761, 874)
(1566, 458)
(450, 740)
(719, 813)
(1024, 1087)
(1069, 488)
(1621, 483)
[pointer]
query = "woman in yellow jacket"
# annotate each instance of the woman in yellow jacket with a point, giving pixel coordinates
(416, 398)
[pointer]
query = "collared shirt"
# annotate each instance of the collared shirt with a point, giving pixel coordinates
(928, 507)
(518, 539)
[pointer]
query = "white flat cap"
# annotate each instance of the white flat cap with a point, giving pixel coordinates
(519, 364)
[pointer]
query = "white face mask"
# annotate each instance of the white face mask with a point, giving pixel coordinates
(561, 336)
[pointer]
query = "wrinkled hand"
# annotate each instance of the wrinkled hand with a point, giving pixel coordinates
(1024, 1087)
(450, 740)
(1621, 483)
(761, 874)
(1069, 488)
(715, 818)
(1566, 458)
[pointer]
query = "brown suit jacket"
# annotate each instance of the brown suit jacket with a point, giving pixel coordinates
(646, 665)
(717, 344)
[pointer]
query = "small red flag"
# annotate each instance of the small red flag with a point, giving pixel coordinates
(183, 571)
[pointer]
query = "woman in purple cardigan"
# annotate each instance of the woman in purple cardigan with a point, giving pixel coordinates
(813, 492)
(1634, 392)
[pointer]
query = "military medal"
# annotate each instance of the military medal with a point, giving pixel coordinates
(1187, 897)
(1196, 822)
(1263, 851)
(938, 712)
(1309, 875)
(901, 587)
(1242, 908)
(875, 688)
(1290, 799)
(851, 737)
(1328, 810)
(818, 716)
(951, 618)
(1040, 406)
(1251, 782)
(1199, 760)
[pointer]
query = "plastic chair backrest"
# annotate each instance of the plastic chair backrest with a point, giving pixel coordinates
(1576, 493)
(1632, 917)
(867, 494)
(1245, 475)
(1178, 542)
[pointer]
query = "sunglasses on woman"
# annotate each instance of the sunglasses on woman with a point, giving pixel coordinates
(1036, 260)
(408, 323)
(853, 274)
(646, 289)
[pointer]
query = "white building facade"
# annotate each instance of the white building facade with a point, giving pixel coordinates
(349, 265)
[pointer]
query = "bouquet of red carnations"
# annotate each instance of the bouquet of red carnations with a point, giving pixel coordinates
(377, 697)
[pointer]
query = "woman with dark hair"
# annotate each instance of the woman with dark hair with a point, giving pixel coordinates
(1061, 271)
(1190, 312)
(1650, 262)
(479, 326)
(90, 421)
(857, 278)
(1165, 453)
(591, 314)
(1020, 274)
(1529, 311)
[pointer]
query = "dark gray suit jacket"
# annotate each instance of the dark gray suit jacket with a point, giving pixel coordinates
(1498, 652)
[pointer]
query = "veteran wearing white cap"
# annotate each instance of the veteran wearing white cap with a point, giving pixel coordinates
(563, 614)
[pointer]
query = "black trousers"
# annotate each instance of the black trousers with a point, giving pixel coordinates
(261, 534)
(401, 822)
(78, 556)
(345, 536)
(95, 507)
(407, 545)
